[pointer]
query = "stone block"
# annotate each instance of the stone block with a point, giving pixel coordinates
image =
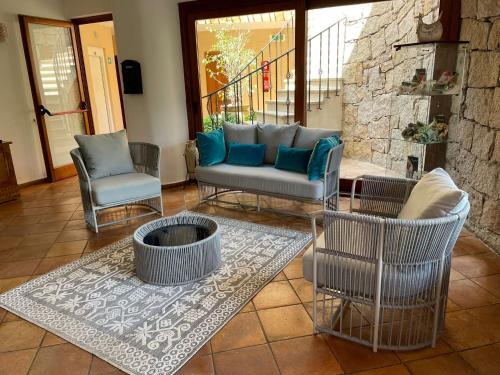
(465, 162)
(379, 128)
(378, 44)
(365, 110)
(360, 131)
(362, 150)
(381, 106)
(406, 24)
(361, 50)
(469, 8)
(354, 94)
(476, 32)
(350, 114)
(496, 151)
(476, 205)
(381, 8)
(494, 38)
(483, 142)
(380, 145)
(353, 73)
(371, 25)
(490, 217)
(484, 69)
(466, 133)
(391, 33)
(487, 8)
(373, 78)
(452, 150)
(495, 110)
(379, 158)
(478, 105)
(484, 177)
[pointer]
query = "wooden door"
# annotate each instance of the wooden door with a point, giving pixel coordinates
(56, 83)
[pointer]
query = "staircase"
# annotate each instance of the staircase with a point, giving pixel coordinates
(324, 104)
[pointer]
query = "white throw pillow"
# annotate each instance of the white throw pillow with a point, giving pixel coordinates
(435, 195)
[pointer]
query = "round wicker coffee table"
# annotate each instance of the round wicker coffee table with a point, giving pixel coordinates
(177, 250)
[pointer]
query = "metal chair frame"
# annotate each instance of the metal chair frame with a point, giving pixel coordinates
(211, 193)
(146, 159)
(393, 293)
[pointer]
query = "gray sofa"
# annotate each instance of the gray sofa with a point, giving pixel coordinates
(265, 179)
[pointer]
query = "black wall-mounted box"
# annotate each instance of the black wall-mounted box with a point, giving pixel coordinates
(132, 79)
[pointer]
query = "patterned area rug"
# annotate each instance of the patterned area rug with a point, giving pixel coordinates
(100, 305)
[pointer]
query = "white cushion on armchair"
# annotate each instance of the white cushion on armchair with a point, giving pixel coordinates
(435, 195)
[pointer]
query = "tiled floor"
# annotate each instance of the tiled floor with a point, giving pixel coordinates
(271, 335)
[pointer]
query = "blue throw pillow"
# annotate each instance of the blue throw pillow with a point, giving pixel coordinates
(317, 164)
(293, 159)
(246, 154)
(211, 147)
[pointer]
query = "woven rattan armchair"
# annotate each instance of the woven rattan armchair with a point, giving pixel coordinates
(378, 280)
(142, 188)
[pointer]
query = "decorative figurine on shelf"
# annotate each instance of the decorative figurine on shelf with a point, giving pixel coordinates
(445, 83)
(416, 85)
(435, 132)
(431, 32)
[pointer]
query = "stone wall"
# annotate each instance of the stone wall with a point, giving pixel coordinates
(473, 157)
(369, 73)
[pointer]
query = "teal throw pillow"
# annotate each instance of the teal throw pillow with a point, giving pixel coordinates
(293, 159)
(246, 154)
(317, 164)
(211, 147)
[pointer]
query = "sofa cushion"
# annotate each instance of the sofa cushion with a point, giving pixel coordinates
(244, 154)
(124, 187)
(105, 154)
(435, 195)
(265, 179)
(273, 136)
(293, 159)
(308, 137)
(211, 147)
(358, 278)
(317, 163)
(238, 133)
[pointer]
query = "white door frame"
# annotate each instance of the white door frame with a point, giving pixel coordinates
(99, 53)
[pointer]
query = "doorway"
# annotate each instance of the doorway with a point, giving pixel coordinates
(96, 38)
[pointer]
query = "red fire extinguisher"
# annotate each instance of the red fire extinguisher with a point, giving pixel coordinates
(265, 75)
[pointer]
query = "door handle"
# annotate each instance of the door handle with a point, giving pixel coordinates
(44, 111)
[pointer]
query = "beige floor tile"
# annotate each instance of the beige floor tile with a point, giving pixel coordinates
(294, 269)
(275, 294)
(241, 331)
(303, 288)
(354, 357)
(477, 265)
(449, 364)
(51, 339)
(48, 361)
(485, 360)
(305, 355)
(48, 264)
(16, 363)
(67, 248)
(75, 235)
(285, 322)
(467, 294)
(100, 367)
(247, 361)
(391, 370)
(490, 283)
(18, 269)
(6, 284)
(469, 245)
(441, 348)
(464, 331)
(19, 335)
(198, 365)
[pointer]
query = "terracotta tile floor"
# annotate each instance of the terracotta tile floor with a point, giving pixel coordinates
(271, 335)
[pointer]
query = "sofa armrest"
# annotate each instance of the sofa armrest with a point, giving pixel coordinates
(146, 158)
(381, 195)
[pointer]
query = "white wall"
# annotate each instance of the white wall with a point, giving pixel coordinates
(17, 116)
(148, 31)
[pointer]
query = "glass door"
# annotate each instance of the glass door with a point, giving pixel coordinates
(56, 84)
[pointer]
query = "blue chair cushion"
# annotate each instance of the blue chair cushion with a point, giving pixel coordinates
(317, 163)
(211, 147)
(124, 187)
(246, 154)
(293, 159)
(105, 154)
